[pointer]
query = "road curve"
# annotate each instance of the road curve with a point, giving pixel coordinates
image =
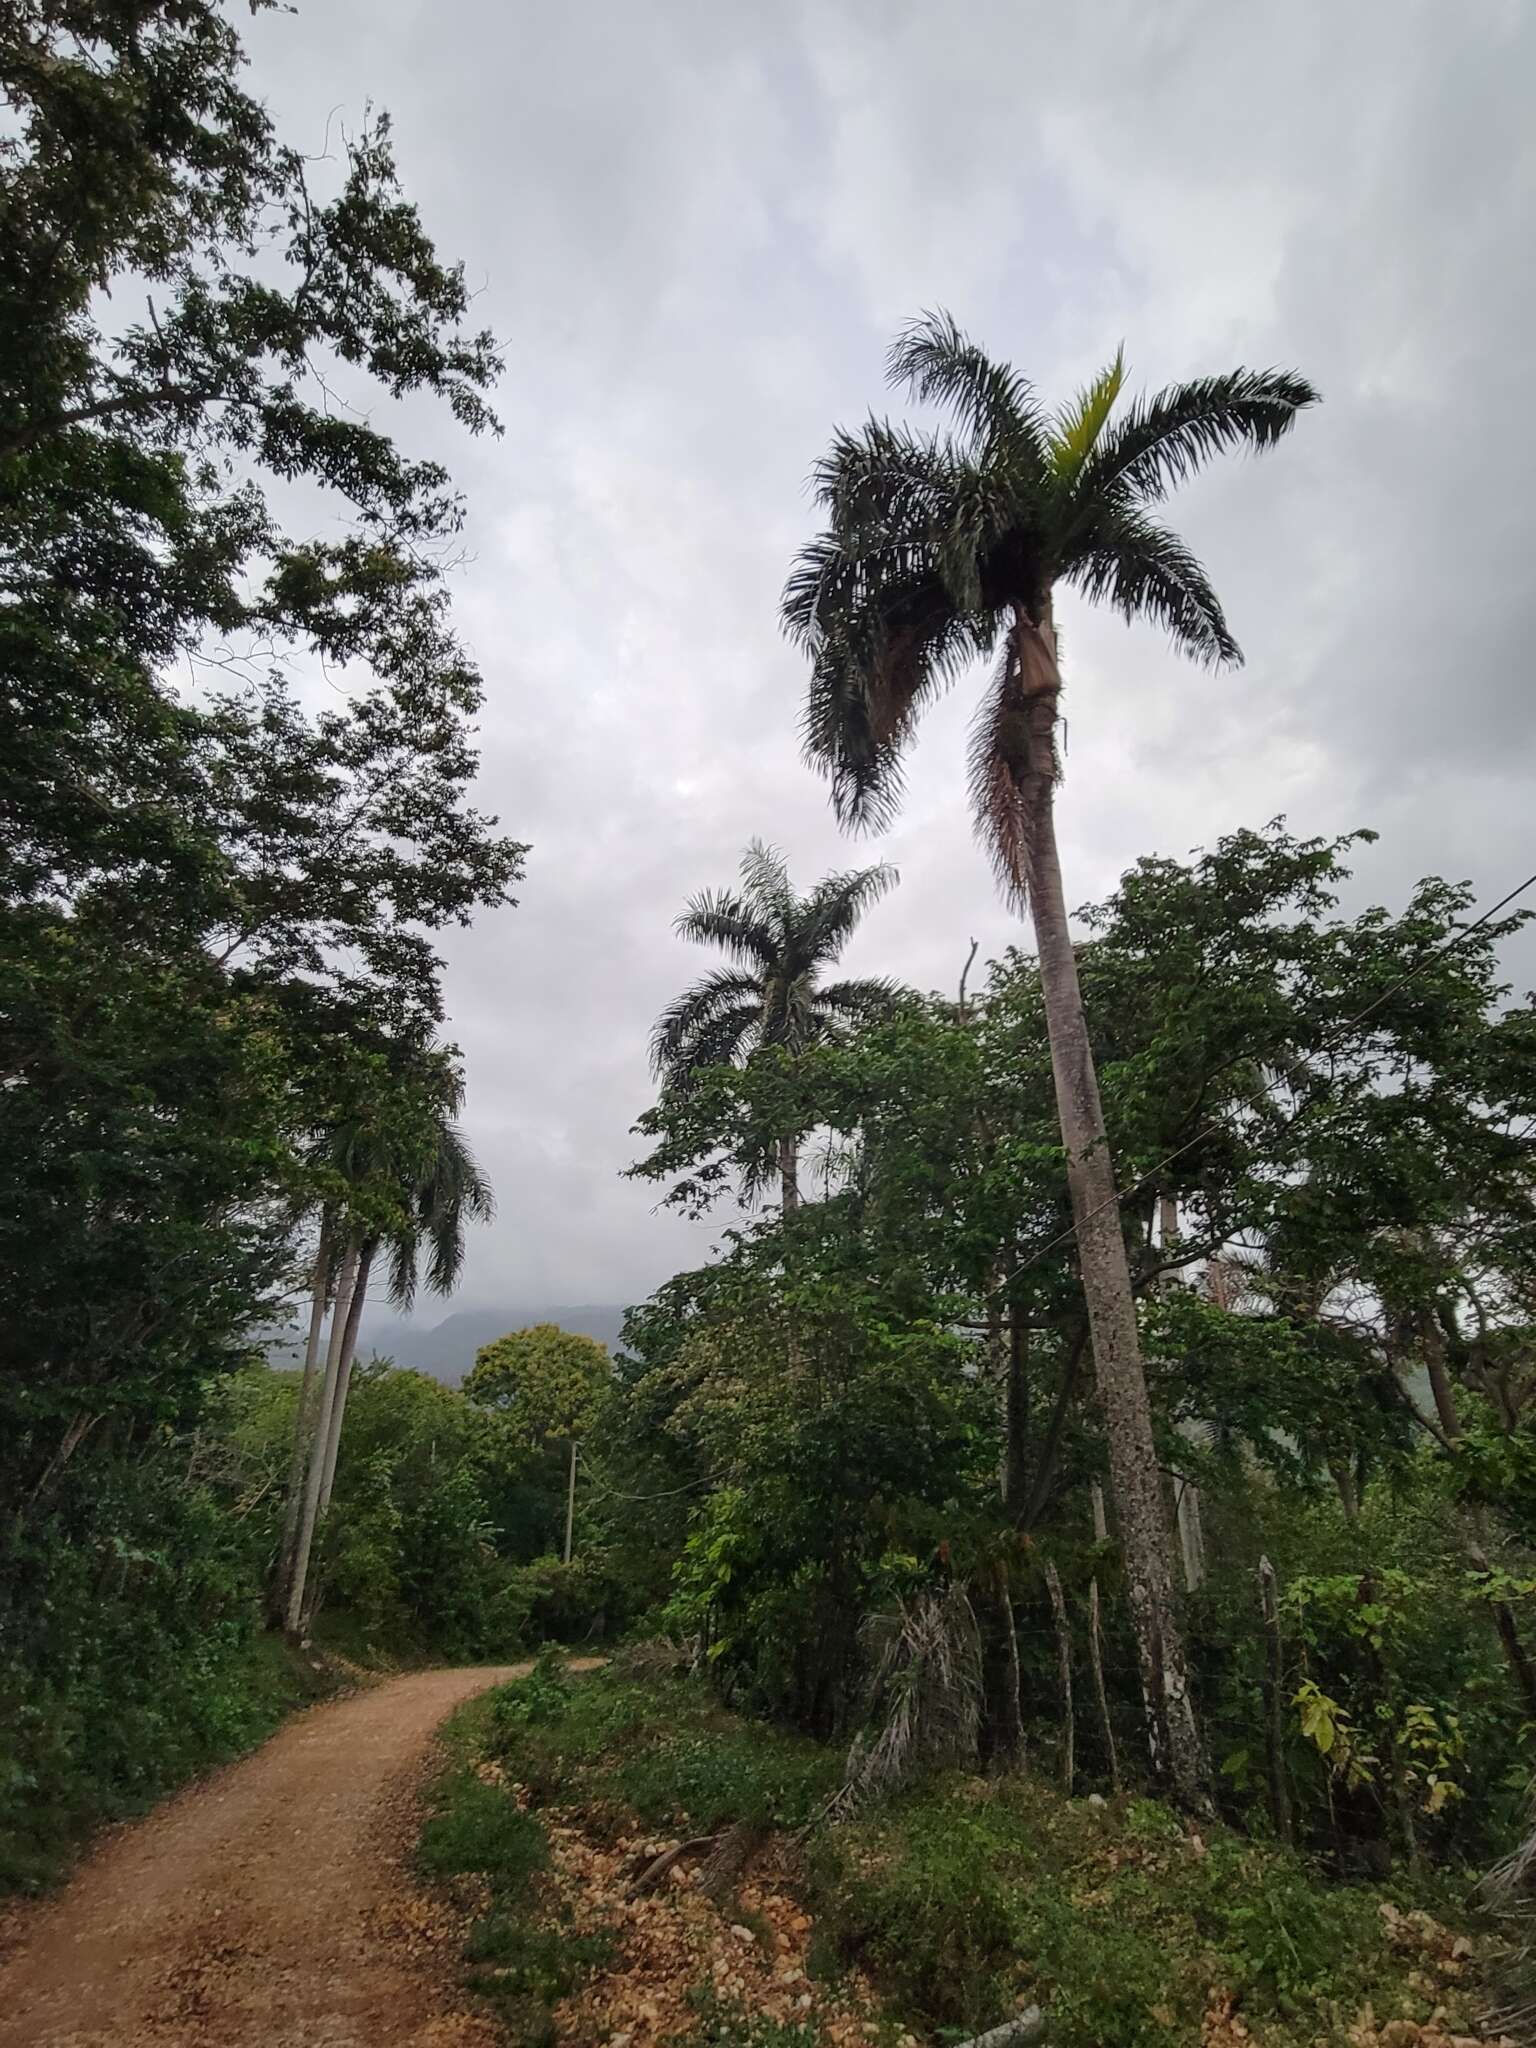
(268, 1906)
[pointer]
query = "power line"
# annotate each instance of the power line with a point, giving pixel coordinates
(1213, 1129)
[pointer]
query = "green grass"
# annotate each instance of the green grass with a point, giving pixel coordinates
(662, 1751)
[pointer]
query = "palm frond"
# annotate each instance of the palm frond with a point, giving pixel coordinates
(1165, 438)
(1146, 572)
(1076, 428)
(720, 1011)
(1008, 790)
(867, 689)
(827, 918)
(719, 917)
(864, 1001)
(765, 882)
(996, 406)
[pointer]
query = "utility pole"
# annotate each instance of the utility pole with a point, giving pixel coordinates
(570, 1503)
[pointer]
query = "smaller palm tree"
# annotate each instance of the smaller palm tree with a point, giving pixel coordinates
(773, 995)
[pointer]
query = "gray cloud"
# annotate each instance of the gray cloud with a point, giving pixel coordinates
(696, 225)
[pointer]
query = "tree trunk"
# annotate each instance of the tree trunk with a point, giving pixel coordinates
(293, 1597)
(1173, 1734)
(1349, 1493)
(1003, 1730)
(303, 1425)
(1274, 1702)
(1064, 1666)
(1186, 1494)
(789, 1176)
(1096, 1660)
(338, 1414)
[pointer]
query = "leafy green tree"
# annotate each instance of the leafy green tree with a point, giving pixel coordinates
(548, 1382)
(937, 551)
(774, 996)
(204, 892)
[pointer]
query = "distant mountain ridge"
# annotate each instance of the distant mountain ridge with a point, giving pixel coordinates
(447, 1350)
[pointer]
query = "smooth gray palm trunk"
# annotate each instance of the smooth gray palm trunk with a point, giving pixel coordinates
(1173, 1734)
(293, 1609)
(338, 1412)
(303, 1426)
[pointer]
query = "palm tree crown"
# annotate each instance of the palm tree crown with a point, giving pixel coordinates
(936, 541)
(780, 943)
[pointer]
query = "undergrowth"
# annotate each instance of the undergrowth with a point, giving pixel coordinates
(972, 1897)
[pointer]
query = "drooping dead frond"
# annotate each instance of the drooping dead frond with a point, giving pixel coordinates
(1013, 768)
(1509, 1890)
(926, 1694)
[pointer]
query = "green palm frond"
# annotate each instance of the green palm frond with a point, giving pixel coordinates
(765, 883)
(936, 545)
(1164, 439)
(827, 918)
(1146, 572)
(864, 1001)
(1076, 429)
(993, 404)
(719, 917)
(701, 1015)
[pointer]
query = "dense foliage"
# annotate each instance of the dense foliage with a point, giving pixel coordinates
(217, 902)
(1324, 1123)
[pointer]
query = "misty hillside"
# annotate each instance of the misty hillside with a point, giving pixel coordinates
(447, 1349)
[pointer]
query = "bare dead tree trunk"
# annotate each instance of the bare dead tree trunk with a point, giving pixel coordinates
(293, 1599)
(1101, 1696)
(303, 1423)
(1173, 1735)
(1274, 1720)
(1012, 1748)
(1064, 1665)
(1186, 1494)
(75, 1433)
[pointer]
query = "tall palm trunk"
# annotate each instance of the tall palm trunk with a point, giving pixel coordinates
(303, 1424)
(293, 1607)
(1173, 1733)
(789, 1176)
(338, 1412)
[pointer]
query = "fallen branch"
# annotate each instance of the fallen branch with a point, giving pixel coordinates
(657, 1869)
(1028, 2025)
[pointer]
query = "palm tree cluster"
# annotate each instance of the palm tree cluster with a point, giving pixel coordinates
(407, 1191)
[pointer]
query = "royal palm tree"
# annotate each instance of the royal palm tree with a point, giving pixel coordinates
(418, 1185)
(942, 549)
(773, 996)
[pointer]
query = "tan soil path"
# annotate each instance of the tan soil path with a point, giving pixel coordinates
(270, 1904)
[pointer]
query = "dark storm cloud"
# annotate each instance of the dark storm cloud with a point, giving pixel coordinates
(696, 225)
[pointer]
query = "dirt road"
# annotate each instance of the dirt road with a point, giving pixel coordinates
(270, 1904)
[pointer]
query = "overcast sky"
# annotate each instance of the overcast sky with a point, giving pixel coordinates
(696, 224)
